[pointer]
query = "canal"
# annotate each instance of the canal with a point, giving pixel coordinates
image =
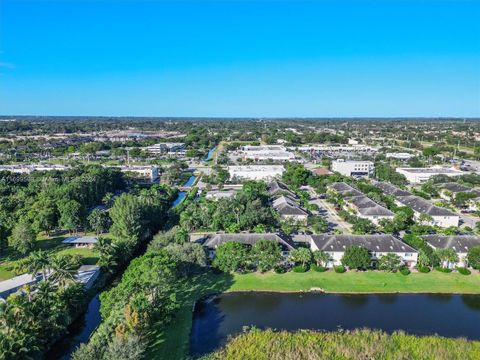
(217, 318)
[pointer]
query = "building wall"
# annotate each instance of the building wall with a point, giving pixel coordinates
(347, 168)
(409, 259)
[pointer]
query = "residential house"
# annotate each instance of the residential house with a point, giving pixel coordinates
(289, 209)
(449, 191)
(437, 216)
(378, 245)
(84, 241)
(87, 275)
(279, 188)
(14, 284)
(460, 243)
(212, 241)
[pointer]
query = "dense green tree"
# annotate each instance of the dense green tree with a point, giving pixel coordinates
(363, 226)
(126, 215)
(99, 221)
(266, 255)
(473, 257)
(356, 257)
(423, 259)
(231, 256)
(108, 253)
(38, 262)
(43, 215)
(71, 215)
(463, 198)
(318, 224)
(130, 347)
(389, 262)
(321, 258)
(23, 237)
(189, 257)
(447, 257)
(301, 256)
(296, 175)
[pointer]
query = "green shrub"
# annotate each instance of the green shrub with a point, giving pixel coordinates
(404, 271)
(280, 269)
(339, 269)
(318, 268)
(300, 269)
(423, 269)
(355, 344)
(443, 269)
(463, 271)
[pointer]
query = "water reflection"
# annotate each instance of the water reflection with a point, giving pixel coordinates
(421, 314)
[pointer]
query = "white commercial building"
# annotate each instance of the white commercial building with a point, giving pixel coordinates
(399, 156)
(29, 168)
(147, 171)
(255, 172)
(161, 148)
(353, 168)
(377, 245)
(267, 152)
(420, 175)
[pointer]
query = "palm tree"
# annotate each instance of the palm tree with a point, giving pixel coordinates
(64, 270)
(108, 253)
(321, 257)
(38, 261)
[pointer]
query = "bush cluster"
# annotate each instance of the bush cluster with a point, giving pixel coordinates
(463, 271)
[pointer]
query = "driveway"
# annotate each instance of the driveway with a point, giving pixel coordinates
(327, 210)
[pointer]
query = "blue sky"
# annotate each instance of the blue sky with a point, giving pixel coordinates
(240, 58)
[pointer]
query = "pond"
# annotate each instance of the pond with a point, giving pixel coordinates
(181, 195)
(219, 317)
(190, 181)
(79, 332)
(210, 154)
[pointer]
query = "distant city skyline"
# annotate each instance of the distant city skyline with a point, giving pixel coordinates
(323, 58)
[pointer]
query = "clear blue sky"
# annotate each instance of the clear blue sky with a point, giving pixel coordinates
(240, 58)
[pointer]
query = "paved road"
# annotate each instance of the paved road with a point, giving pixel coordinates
(333, 219)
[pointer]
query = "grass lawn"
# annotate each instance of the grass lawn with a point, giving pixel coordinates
(172, 342)
(89, 256)
(362, 282)
(5, 273)
(52, 244)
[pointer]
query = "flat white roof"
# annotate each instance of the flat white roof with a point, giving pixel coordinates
(16, 282)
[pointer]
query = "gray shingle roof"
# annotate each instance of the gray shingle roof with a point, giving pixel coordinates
(423, 206)
(460, 243)
(345, 189)
(248, 238)
(417, 203)
(276, 187)
(455, 188)
(286, 209)
(81, 240)
(374, 243)
(283, 200)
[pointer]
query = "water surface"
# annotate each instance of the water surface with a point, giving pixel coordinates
(215, 319)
